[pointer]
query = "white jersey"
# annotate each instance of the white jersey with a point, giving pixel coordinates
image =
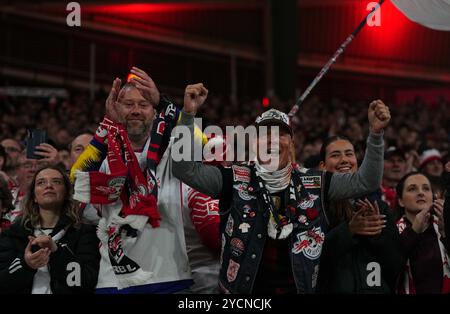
(160, 251)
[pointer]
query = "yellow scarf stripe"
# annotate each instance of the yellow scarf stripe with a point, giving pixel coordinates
(90, 155)
(198, 134)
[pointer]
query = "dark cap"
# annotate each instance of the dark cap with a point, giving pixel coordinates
(394, 151)
(274, 117)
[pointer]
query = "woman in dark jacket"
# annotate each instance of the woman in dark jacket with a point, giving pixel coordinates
(360, 253)
(49, 251)
(423, 237)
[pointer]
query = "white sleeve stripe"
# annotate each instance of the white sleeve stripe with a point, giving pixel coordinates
(206, 215)
(203, 198)
(192, 193)
(200, 216)
(14, 263)
(199, 206)
(204, 203)
(11, 271)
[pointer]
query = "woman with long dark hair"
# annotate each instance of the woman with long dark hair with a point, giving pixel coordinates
(49, 250)
(360, 253)
(423, 239)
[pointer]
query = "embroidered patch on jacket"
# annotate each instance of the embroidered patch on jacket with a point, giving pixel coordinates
(232, 270)
(241, 174)
(237, 247)
(244, 227)
(242, 189)
(246, 209)
(308, 202)
(229, 226)
(312, 182)
(309, 243)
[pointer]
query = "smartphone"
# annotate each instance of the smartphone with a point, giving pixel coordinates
(432, 210)
(35, 248)
(35, 138)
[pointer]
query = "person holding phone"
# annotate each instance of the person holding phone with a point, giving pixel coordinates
(38, 153)
(39, 147)
(49, 250)
(423, 240)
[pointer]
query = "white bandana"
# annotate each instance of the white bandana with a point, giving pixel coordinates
(274, 181)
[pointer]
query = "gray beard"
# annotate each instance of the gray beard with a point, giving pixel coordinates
(137, 135)
(136, 138)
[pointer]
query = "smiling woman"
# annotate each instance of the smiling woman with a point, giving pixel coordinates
(49, 250)
(362, 234)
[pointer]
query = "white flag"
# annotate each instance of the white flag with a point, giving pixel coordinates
(430, 13)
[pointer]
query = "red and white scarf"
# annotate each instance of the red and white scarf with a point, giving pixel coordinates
(126, 180)
(406, 284)
(137, 192)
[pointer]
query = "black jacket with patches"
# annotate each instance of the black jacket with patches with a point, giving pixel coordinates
(243, 251)
(76, 246)
(349, 263)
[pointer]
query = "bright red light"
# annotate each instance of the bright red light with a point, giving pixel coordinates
(387, 39)
(132, 8)
(265, 102)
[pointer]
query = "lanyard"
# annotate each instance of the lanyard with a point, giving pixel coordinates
(292, 196)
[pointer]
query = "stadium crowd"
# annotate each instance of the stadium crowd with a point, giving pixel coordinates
(361, 191)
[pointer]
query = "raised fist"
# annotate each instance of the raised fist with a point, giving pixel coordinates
(194, 96)
(378, 115)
